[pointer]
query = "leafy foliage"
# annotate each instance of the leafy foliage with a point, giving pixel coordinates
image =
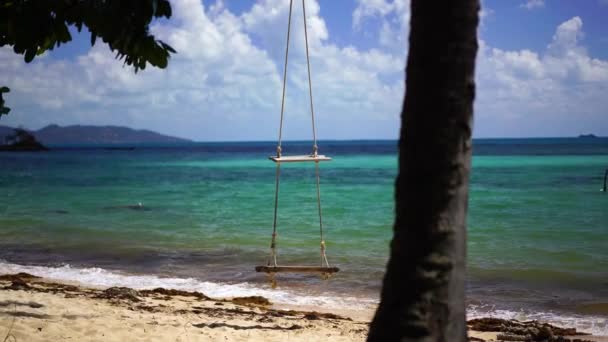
(3, 110)
(32, 27)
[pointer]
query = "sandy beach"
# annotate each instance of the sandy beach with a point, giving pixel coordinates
(37, 309)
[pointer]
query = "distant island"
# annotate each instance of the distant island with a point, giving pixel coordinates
(22, 141)
(77, 134)
(587, 136)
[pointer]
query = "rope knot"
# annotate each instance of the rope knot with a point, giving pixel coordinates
(279, 151)
(315, 150)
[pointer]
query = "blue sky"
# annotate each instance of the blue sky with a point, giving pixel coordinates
(542, 70)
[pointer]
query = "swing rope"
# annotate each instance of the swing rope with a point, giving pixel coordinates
(284, 80)
(272, 261)
(315, 149)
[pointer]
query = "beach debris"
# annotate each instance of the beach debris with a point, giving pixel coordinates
(251, 300)
(265, 319)
(18, 284)
(313, 315)
(14, 303)
(310, 315)
(58, 288)
(510, 337)
(21, 276)
(26, 281)
(218, 312)
(251, 327)
(147, 308)
(513, 338)
(476, 339)
(172, 292)
(514, 330)
(120, 293)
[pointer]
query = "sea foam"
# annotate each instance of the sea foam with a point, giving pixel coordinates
(98, 277)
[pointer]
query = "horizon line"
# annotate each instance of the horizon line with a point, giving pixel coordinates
(304, 140)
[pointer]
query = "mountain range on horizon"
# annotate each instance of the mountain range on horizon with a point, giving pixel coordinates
(88, 134)
(109, 134)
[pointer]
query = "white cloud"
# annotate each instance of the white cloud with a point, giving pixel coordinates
(370, 8)
(393, 17)
(553, 93)
(220, 85)
(567, 35)
(533, 4)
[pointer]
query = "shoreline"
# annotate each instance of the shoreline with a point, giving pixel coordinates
(285, 294)
(38, 309)
(300, 296)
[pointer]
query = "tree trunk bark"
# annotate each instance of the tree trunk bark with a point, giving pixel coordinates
(423, 295)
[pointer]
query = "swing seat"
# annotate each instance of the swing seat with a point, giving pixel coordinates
(296, 269)
(302, 158)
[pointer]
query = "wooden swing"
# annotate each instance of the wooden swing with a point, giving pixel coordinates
(325, 270)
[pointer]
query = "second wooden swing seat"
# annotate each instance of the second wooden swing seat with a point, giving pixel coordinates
(324, 269)
(296, 269)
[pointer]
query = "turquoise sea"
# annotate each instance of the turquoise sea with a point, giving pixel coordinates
(199, 217)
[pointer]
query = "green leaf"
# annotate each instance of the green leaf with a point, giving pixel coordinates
(4, 110)
(63, 34)
(4, 90)
(166, 46)
(29, 55)
(164, 9)
(93, 38)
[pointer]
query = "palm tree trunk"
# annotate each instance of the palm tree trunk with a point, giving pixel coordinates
(423, 291)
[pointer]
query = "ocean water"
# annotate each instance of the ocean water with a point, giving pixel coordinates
(199, 217)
